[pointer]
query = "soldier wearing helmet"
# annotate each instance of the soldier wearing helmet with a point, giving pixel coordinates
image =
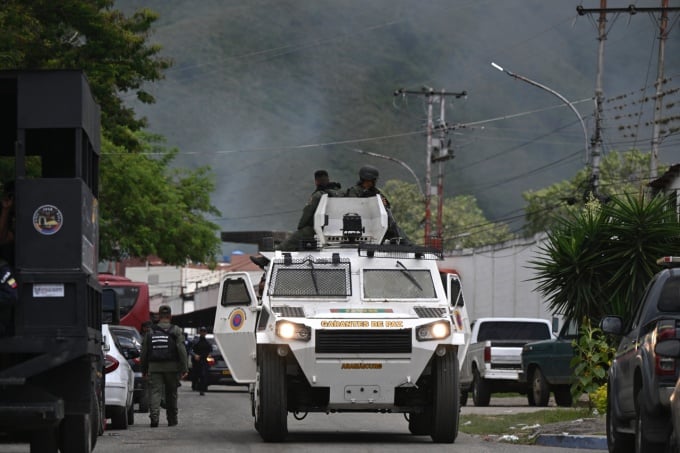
(305, 228)
(366, 187)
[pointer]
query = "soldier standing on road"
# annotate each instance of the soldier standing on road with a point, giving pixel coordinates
(366, 188)
(164, 362)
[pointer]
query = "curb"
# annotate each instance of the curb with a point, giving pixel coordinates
(567, 441)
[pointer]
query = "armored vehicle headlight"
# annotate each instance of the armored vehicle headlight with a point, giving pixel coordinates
(293, 331)
(433, 331)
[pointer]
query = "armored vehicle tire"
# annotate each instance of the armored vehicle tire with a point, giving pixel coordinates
(481, 393)
(271, 402)
(539, 388)
(563, 396)
(119, 418)
(445, 397)
(617, 442)
(420, 424)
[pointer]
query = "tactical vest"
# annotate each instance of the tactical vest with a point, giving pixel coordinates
(163, 344)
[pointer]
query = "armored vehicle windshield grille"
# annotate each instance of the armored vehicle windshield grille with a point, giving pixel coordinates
(311, 278)
(429, 312)
(399, 251)
(357, 341)
(398, 283)
(290, 312)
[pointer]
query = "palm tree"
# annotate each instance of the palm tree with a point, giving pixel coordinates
(599, 260)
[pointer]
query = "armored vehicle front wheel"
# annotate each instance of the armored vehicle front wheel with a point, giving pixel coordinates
(445, 397)
(271, 399)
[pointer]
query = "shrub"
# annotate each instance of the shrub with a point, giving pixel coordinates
(592, 358)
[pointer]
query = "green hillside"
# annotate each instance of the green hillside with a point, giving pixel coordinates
(265, 91)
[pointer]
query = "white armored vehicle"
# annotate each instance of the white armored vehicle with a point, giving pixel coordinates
(348, 325)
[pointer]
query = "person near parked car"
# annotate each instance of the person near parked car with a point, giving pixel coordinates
(164, 360)
(200, 351)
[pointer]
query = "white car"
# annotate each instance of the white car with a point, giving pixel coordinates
(120, 383)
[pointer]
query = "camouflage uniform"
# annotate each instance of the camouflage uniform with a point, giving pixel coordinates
(305, 231)
(164, 376)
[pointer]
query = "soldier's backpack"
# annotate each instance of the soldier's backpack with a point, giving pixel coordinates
(163, 344)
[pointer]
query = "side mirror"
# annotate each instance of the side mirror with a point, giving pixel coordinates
(668, 348)
(612, 325)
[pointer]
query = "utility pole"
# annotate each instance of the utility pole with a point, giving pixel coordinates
(443, 155)
(658, 104)
(596, 143)
(431, 96)
(663, 34)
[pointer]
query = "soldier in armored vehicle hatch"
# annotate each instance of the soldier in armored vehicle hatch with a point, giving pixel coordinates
(367, 187)
(305, 231)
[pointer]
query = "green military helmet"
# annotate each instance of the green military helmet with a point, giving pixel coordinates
(368, 173)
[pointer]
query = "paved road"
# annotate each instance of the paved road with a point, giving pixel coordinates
(221, 421)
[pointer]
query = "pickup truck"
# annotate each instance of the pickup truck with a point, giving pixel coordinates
(546, 367)
(640, 381)
(493, 360)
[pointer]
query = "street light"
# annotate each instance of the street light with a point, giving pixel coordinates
(554, 93)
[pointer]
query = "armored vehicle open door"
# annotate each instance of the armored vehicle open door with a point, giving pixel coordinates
(234, 327)
(454, 289)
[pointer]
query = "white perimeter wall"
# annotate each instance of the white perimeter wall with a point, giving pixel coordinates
(497, 279)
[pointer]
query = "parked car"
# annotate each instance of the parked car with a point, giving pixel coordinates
(130, 340)
(640, 381)
(493, 360)
(546, 367)
(119, 382)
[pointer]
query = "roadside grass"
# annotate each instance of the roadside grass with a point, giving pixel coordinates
(519, 426)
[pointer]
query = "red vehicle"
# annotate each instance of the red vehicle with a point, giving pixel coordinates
(133, 300)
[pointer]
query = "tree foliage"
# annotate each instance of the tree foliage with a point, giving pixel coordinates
(620, 173)
(598, 261)
(147, 208)
(463, 222)
(91, 35)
